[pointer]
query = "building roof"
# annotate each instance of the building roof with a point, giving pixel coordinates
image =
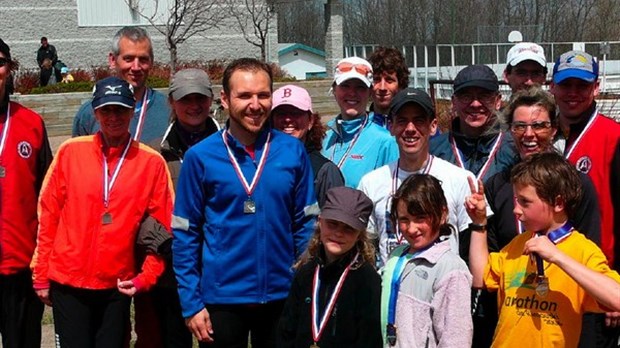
(286, 48)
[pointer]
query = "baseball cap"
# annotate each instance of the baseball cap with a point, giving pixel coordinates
(292, 95)
(478, 75)
(4, 48)
(113, 91)
(412, 95)
(347, 205)
(526, 51)
(64, 70)
(188, 81)
(353, 68)
(575, 64)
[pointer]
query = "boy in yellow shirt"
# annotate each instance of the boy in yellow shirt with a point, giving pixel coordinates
(550, 274)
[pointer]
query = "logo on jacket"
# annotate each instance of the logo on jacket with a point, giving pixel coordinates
(584, 164)
(24, 149)
(357, 157)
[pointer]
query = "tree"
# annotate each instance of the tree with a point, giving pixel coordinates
(255, 19)
(184, 19)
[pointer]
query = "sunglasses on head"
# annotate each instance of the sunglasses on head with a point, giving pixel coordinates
(360, 68)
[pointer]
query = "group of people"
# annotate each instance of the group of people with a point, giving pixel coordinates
(370, 231)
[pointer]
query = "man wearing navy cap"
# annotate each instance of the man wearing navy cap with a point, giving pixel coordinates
(475, 141)
(413, 121)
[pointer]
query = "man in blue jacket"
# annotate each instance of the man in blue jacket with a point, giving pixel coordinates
(244, 212)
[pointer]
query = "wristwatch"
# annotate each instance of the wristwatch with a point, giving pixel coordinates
(478, 227)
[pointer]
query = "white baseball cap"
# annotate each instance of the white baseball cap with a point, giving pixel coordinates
(526, 51)
(353, 68)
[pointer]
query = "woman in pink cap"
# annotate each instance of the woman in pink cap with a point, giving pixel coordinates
(292, 113)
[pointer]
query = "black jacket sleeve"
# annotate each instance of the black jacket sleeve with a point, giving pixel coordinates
(587, 217)
(328, 176)
(287, 327)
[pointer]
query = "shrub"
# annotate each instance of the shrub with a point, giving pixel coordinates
(83, 86)
(26, 80)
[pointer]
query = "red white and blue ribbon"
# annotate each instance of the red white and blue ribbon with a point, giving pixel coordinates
(5, 131)
(109, 182)
(141, 117)
(487, 164)
(573, 146)
(351, 144)
(319, 326)
(249, 188)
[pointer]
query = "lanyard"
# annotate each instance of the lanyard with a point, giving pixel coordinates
(573, 146)
(141, 117)
(5, 131)
(249, 189)
(319, 326)
(487, 164)
(395, 184)
(351, 144)
(556, 236)
(107, 182)
(395, 288)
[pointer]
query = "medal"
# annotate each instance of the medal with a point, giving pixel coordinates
(109, 182)
(249, 207)
(2, 172)
(391, 334)
(486, 165)
(542, 288)
(314, 345)
(107, 218)
(340, 163)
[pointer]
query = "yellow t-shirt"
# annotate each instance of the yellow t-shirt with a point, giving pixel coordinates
(529, 320)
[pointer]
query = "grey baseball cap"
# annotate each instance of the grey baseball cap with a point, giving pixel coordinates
(188, 81)
(347, 205)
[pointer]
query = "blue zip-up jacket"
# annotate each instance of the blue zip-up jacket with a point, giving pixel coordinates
(475, 151)
(374, 148)
(222, 255)
(155, 123)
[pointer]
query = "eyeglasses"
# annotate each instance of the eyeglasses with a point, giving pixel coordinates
(537, 127)
(529, 73)
(484, 98)
(360, 68)
(3, 62)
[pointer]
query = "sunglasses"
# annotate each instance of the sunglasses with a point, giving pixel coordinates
(4, 61)
(537, 127)
(360, 68)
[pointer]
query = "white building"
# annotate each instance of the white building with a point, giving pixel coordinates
(301, 61)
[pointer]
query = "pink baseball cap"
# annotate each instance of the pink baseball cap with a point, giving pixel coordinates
(292, 95)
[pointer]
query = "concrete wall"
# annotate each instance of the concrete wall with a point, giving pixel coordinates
(26, 21)
(58, 110)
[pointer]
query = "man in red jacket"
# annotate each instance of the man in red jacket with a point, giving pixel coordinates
(24, 157)
(591, 142)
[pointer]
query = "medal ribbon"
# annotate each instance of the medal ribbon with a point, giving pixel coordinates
(556, 236)
(585, 129)
(319, 326)
(395, 287)
(5, 131)
(357, 135)
(395, 184)
(107, 182)
(249, 189)
(487, 164)
(140, 124)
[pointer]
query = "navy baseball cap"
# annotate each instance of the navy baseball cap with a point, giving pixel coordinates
(478, 75)
(113, 91)
(412, 95)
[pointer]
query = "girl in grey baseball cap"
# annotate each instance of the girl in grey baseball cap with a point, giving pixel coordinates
(334, 298)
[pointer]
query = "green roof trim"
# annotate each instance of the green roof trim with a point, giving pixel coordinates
(299, 46)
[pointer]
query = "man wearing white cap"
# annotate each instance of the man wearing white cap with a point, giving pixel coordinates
(355, 143)
(526, 65)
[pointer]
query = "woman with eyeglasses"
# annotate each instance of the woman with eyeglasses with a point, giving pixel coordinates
(531, 115)
(475, 141)
(353, 142)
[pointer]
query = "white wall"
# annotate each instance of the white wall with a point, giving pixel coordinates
(298, 65)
